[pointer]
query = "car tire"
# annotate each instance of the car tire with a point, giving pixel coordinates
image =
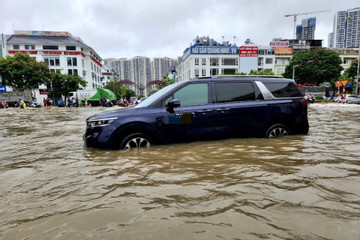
(136, 140)
(276, 131)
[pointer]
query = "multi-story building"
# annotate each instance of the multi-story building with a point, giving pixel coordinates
(208, 58)
(141, 75)
(63, 53)
(346, 29)
(306, 31)
(160, 67)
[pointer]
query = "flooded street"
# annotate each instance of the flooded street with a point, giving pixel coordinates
(297, 187)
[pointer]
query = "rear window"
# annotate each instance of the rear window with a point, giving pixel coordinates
(283, 89)
(233, 92)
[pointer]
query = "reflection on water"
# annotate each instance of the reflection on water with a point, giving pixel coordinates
(298, 187)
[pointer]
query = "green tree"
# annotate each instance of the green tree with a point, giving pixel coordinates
(63, 84)
(315, 66)
(262, 72)
(23, 72)
(166, 81)
(119, 90)
(351, 72)
(116, 88)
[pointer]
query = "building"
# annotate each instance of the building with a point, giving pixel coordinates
(208, 58)
(141, 74)
(346, 29)
(306, 31)
(63, 52)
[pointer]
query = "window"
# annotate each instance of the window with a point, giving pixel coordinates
(192, 94)
(203, 61)
(71, 48)
(228, 71)
(196, 72)
(230, 61)
(203, 72)
(283, 89)
(269, 60)
(52, 61)
(196, 61)
(233, 92)
(16, 47)
(29, 47)
(48, 47)
(71, 61)
(75, 72)
(214, 61)
(214, 71)
(70, 72)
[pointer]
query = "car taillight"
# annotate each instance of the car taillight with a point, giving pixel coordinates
(304, 100)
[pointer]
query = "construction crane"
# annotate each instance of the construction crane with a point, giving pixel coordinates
(296, 14)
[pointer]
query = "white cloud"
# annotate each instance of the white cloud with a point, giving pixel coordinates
(160, 28)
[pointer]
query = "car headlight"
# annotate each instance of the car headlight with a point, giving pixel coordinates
(100, 122)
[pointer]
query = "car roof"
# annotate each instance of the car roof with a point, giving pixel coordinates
(240, 78)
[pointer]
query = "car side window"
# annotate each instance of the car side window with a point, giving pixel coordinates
(191, 95)
(234, 91)
(283, 89)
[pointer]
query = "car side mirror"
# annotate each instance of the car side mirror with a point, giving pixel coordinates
(172, 104)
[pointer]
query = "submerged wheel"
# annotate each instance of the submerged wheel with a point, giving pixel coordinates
(136, 140)
(276, 131)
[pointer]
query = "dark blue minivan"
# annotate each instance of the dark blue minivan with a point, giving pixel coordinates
(204, 109)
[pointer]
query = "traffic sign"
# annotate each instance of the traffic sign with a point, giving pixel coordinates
(344, 82)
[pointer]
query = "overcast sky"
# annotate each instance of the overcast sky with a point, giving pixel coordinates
(165, 28)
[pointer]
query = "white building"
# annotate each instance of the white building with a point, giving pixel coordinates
(208, 58)
(63, 53)
(346, 29)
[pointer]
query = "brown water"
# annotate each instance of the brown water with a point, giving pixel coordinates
(298, 187)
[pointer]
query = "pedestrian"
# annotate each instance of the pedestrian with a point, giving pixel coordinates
(86, 103)
(44, 102)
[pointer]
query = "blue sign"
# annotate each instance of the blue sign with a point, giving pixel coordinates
(2, 88)
(214, 50)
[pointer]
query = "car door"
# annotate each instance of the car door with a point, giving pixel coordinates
(185, 123)
(238, 109)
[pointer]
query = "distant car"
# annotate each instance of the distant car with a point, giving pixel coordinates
(204, 109)
(352, 99)
(133, 100)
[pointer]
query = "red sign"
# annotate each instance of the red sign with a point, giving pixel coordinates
(278, 44)
(248, 51)
(96, 61)
(24, 52)
(53, 52)
(44, 91)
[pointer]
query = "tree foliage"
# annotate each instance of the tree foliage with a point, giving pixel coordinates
(315, 66)
(262, 72)
(23, 72)
(63, 84)
(119, 90)
(166, 81)
(351, 72)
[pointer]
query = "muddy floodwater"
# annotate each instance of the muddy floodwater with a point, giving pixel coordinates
(297, 187)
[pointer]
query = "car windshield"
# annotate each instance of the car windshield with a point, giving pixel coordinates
(153, 98)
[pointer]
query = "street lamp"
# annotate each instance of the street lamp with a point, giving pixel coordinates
(293, 75)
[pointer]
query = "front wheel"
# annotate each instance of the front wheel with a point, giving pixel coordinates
(276, 131)
(136, 140)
